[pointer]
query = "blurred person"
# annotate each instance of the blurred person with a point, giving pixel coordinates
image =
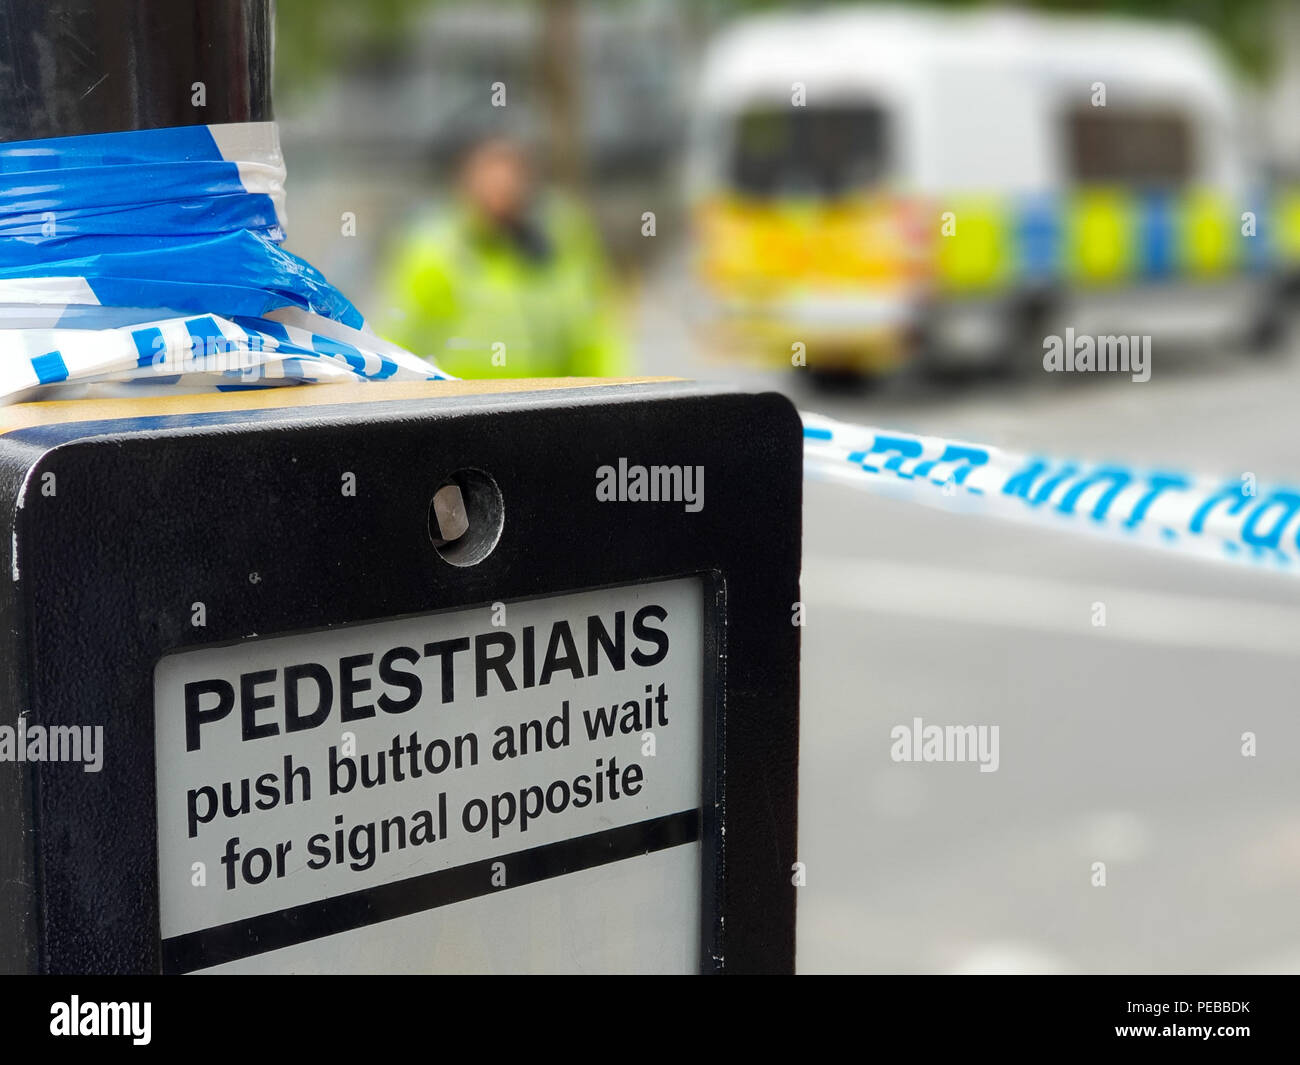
(508, 280)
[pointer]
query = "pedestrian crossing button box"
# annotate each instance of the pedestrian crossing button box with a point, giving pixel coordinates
(429, 677)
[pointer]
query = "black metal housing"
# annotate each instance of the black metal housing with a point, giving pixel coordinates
(154, 513)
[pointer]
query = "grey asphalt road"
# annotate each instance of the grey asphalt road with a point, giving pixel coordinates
(1119, 744)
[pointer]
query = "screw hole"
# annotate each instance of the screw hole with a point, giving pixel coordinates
(466, 515)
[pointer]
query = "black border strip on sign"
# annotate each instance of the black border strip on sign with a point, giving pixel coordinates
(384, 902)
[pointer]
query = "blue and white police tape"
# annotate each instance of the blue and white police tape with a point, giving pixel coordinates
(153, 258)
(1231, 518)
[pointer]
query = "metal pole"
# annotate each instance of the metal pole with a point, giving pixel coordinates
(99, 66)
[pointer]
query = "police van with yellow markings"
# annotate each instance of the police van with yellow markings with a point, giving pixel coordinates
(872, 186)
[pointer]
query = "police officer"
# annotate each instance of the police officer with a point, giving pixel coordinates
(506, 281)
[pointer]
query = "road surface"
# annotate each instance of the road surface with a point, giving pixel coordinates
(1119, 744)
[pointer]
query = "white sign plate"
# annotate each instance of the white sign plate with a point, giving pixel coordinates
(507, 787)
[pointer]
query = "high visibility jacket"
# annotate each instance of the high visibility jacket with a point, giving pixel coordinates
(480, 302)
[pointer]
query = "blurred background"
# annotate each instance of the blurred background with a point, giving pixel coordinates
(883, 211)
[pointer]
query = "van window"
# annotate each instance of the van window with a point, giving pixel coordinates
(793, 151)
(1107, 145)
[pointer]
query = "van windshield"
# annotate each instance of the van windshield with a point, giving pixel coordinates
(808, 151)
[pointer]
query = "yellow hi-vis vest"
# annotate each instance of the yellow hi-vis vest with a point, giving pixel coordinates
(479, 303)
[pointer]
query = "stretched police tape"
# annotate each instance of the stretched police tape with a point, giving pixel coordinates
(1223, 518)
(153, 258)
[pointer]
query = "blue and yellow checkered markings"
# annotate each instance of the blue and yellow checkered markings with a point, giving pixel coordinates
(1099, 236)
(1209, 234)
(1038, 238)
(979, 254)
(1260, 250)
(1090, 237)
(1100, 227)
(1286, 215)
(1157, 236)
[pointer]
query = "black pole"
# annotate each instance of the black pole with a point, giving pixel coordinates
(98, 66)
